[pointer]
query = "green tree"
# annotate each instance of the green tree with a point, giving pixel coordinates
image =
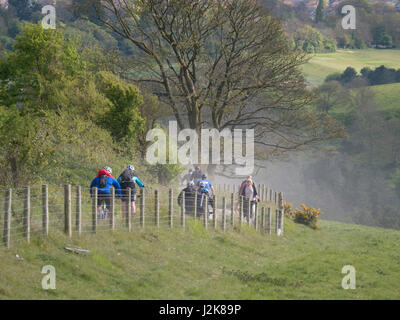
(24, 147)
(41, 63)
(123, 119)
(331, 94)
(319, 14)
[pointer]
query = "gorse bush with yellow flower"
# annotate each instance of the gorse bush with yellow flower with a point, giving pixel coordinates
(308, 215)
(287, 209)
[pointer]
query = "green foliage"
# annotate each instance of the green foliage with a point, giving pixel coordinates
(25, 9)
(310, 40)
(54, 134)
(41, 63)
(24, 146)
(123, 119)
(380, 37)
(319, 14)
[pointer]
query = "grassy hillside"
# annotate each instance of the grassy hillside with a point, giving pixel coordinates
(388, 98)
(324, 64)
(195, 264)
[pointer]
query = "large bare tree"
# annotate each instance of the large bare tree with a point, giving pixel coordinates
(220, 64)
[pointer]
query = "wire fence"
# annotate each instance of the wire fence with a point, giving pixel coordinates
(40, 210)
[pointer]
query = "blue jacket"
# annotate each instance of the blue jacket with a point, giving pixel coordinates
(206, 182)
(111, 182)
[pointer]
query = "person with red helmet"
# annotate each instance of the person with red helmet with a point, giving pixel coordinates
(196, 175)
(104, 182)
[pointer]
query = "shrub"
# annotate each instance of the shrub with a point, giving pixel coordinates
(308, 216)
(287, 209)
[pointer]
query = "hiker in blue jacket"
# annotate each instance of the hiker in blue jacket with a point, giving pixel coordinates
(128, 179)
(103, 182)
(207, 184)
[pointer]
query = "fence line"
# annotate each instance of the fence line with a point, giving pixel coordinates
(27, 213)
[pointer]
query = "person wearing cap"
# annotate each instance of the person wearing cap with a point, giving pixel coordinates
(196, 175)
(207, 184)
(128, 179)
(190, 193)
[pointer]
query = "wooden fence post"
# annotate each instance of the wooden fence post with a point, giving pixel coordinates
(215, 217)
(94, 210)
(195, 206)
(241, 212)
(249, 211)
(263, 193)
(269, 221)
(112, 209)
(276, 221)
(256, 216)
(232, 209)
(281, 211)
(7, 218)
(224, 214)
(262, 227)
(67, 210)
(78, 210)
(171, 208)
(183, 210)
(205, 215)
(27, 214)
(129, 214)
(156, 209)
(45, 210)
(142, 207)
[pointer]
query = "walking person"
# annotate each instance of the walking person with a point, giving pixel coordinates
(104, 182)
(187, 177)
(207, 184)
(128, 179)
(190, 193)
(250, 197)
(196, 175)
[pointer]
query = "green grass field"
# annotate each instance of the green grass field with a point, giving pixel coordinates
(199, 264)
(324, 64)
(387, 97)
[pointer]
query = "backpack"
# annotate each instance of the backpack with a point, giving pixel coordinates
(103, 181)
(127, 175)
(126, 179)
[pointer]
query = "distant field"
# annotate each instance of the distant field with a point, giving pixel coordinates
(324, 64)
(388, 97)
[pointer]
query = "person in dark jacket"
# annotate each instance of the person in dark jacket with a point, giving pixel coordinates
(196, 175)
(190, 193)
(104, 182)
(128, 179)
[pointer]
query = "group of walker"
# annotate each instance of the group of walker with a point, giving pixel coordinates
(105, 181)
(199, 193)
